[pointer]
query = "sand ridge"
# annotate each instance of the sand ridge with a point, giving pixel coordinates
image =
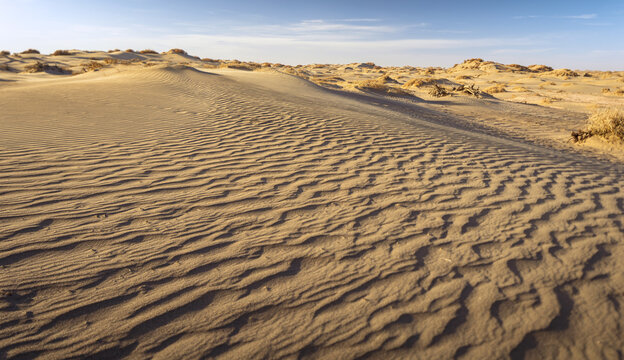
(169, 212)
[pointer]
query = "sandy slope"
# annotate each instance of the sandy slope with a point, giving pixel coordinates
(167, 212)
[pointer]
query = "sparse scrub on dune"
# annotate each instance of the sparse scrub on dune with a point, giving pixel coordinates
(605, 123)
(92, 66)
(61, 53)
(30, 51)
(177, 51)
(470, 90)
(114, 50)
(420, 82)
(43, 67)
(565, 73)
(4, 53)
(114, 61)
(495, 89)
(540, 68)
(438, 91)
(148, 51)
(518, 68)
(129, 50)
(238, 66)
(380, 85)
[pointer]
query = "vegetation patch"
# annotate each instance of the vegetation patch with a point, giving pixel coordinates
(606, 123)
(61, 53)
(43, 67)
(30, 51)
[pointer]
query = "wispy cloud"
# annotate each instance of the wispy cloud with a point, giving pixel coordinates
(360, 20)
(577, 17)
(583, 16)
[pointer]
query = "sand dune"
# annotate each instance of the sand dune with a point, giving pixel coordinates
(168, 211)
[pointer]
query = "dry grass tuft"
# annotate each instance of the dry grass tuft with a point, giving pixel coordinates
(92, 66)
(495, 89)
(519, 68)
(113, 61)
(565, 73)
(419, 82)
(540, 68)
(606, 123)
(148, 51)
(177, 51)
(380, 85)
(30, 51)
(438, 91)
(43, 67)
(61, 53)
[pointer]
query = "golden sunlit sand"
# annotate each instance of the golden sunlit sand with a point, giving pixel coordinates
(158, 205)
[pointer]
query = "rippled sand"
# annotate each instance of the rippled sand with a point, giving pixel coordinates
(170, 212)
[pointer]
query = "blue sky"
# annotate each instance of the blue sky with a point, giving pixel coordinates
(573, 34)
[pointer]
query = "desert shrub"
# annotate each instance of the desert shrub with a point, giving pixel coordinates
(516, 67)
(177, 51)
(92, 66)
(419, 82)
(114, 61)
(43, 67)
(148, 51)
(238, 66)
(606, 123)
(438, 91)
(540, 68)
(606, 90)
(61, 53)
(380, 85)
(30, 51)
(470, 90)
(209, 60)
(129, 50)
(4, 53)
(114, 50)
(495, 89)
(565, 73)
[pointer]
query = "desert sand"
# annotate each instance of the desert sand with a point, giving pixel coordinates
(163, 206)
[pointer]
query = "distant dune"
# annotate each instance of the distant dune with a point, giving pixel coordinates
(158, 205)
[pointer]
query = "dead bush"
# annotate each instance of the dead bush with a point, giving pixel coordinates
(606, 123)
(61, 53)
(438, 91)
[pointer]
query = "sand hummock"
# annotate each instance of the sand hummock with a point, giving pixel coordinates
(162, 206)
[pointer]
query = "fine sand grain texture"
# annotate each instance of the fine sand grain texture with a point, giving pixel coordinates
(168, 212)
